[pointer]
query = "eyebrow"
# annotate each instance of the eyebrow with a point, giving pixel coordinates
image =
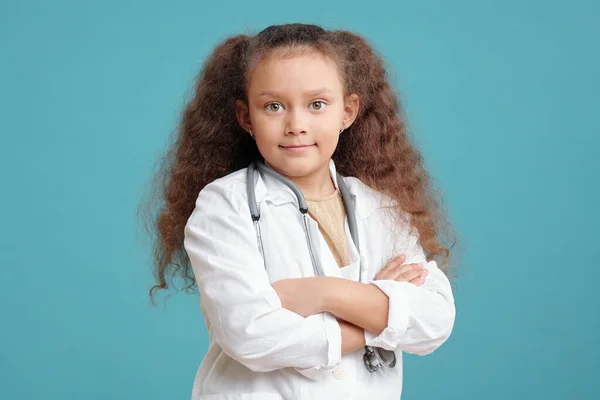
(309, 93)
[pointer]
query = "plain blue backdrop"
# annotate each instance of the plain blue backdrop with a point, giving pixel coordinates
(501, 97)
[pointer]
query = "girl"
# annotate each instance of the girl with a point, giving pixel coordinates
(312, 284)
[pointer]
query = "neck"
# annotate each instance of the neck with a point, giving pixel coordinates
(315, 185)
(315, 188)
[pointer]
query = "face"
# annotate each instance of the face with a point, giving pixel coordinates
(296, 109)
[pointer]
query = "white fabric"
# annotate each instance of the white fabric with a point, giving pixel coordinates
(259, 350)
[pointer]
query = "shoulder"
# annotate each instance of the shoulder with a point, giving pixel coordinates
(223, 195)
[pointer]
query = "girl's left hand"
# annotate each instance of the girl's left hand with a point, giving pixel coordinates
(396, 270)
(301, 295)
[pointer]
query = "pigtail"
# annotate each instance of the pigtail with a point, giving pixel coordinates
(209, 122)
(377, 149)
(210, 144)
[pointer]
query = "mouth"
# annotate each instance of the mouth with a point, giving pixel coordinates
(298, 148)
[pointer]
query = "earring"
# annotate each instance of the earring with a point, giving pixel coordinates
(342, 130)
(250, 132)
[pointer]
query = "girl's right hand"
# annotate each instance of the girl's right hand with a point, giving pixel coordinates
(396, 271)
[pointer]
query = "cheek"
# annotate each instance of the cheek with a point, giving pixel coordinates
(267, 139)
(265, 143)
(267, 130)
(331, 142)
(327, 141)
(333, 119)
(328, 129)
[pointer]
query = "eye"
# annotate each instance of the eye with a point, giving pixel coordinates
(318, 105)
(274, 107)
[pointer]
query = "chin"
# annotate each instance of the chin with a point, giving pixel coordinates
(296, 168)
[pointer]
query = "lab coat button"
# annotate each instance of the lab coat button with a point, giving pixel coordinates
(338, 372)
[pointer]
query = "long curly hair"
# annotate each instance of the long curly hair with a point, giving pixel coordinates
(210, 143)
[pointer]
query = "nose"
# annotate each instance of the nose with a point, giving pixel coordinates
(296, 123)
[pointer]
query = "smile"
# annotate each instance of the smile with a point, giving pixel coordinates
(299, 148)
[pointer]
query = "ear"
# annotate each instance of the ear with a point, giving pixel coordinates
(243, 115)
(350, 109)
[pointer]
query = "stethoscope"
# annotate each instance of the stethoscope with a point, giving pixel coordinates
(374, 357)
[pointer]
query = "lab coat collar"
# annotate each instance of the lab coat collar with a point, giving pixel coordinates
(365, 199)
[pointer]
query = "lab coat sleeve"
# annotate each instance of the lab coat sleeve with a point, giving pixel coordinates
(420, 318)
(249, 322)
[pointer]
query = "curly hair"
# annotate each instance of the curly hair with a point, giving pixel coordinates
(210, 143)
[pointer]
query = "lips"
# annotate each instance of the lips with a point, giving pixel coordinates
(298, 148)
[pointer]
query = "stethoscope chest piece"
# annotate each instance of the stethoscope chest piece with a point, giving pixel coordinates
(375, 357)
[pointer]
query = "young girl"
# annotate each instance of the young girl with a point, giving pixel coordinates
(298, 206)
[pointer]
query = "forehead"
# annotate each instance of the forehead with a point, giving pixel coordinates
(294, 73)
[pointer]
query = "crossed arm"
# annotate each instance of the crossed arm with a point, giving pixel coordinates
(357, 306)
(268, 326)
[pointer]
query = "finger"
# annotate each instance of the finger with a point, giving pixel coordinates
(382, 274)
(393, 263)
(409, 275)
(400, 270)
(421, 279)
(403, 269)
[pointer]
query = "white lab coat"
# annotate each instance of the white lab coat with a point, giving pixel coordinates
(260, 350)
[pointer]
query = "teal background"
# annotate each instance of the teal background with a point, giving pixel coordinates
(502, 98)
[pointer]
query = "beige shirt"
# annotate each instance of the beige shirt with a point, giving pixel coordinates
(330, 214)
